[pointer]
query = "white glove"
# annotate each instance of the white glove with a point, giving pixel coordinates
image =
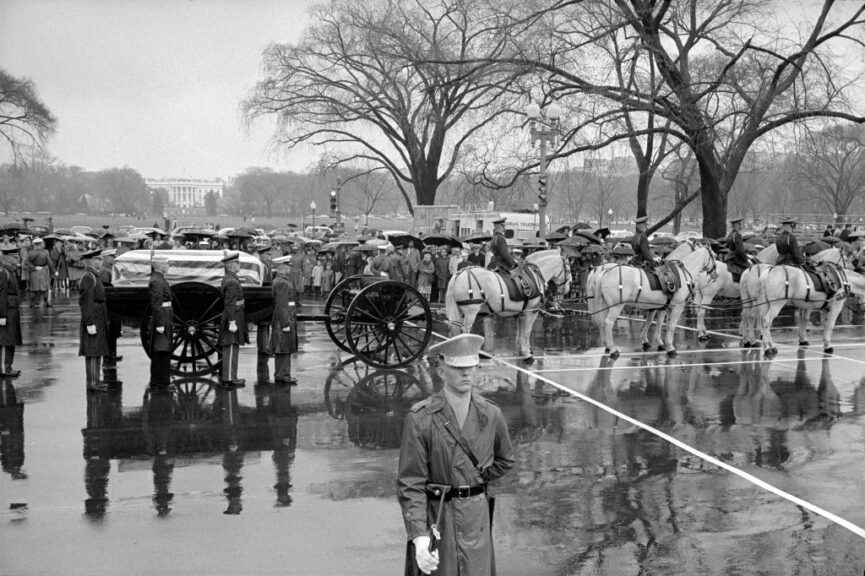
(232, 326)
(91, 329)
(287, 329)
(2, 321)
(160, 329)
(427, 561)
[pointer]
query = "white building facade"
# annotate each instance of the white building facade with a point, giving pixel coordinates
(186, 192)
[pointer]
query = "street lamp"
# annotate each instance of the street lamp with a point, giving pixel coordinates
(312, 207)
(610, 219)
(543, 124)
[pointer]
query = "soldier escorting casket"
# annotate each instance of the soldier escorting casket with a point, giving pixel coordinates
(93, 332)
(234, 332)
(262, 328)
(10, 319)
(161, 323)
(283, 339)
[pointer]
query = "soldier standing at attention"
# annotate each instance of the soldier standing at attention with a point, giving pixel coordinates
(94, 320)
(454, 444)
(161, 323)
(262, 328)
(114, 325)
(283, 339)
(10, 318)
(41, 269)
(234, 331)
(501, 259)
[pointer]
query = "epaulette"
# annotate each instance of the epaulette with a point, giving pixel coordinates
(420, 405)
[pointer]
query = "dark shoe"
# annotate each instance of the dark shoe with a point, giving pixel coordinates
(239, 383)
(287, 381)
(49, 305)
(117, 358)
(11, 373)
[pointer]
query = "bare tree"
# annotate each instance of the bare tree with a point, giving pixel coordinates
(25, 122)
(354, 85)
(732, 73)
(830, 163)
(123, 188)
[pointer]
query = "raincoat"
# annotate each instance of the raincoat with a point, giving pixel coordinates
(10, 335)
(91, 300)
(430, 454)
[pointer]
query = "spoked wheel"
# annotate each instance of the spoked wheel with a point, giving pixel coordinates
(192, 396)
(376, 407)
(388, 324)
(195, 349)
(337, 303)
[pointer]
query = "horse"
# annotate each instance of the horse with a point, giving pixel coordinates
(615, 286)
(783, 284)
(473, 288)
(749, 294)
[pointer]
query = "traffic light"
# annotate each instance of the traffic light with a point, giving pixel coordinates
(334, 202)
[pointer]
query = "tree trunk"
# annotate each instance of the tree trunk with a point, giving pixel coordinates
(714, 202)
(643, 182)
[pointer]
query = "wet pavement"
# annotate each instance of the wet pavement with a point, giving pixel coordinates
(300, 480)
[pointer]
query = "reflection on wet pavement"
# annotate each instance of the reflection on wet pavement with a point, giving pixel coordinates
(302, 478)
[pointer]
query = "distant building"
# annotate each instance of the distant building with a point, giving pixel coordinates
(186, 192)
(615, 166)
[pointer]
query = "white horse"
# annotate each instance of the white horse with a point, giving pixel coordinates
(474, 288)
(749, 293)
(613, 287)
(781, 285)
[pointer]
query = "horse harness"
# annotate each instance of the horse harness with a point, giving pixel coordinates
(474, 282)
(833, 277)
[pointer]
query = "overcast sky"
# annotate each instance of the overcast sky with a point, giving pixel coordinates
(151, 84)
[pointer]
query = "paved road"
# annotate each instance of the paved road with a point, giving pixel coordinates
(264, 480)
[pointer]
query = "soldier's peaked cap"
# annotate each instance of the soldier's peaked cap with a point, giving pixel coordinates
(283, 260)
(641, 220)
(736, 220)
(159, 259)
(92, 254)
(460, 351)
(790, 221)
(501, 220)
(230, 256)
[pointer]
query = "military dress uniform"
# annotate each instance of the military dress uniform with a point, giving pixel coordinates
(162, 315)
(738, 256)
(41, 269)
(283, 343)
(234, 311)
(114, 325)
(789, 252)
(262, 328)
(502, 259)
(91, 300)
(10, 333)
(436, 450)
(642, 251)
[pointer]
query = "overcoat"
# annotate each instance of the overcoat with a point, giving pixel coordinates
(501, 254)
(789, 252)
(91, 300)
(10, 335)
(284, 314)
(738, 255)
(430, 454)
(234, 310)
(159, 292)
(642, 251)
(41, 269)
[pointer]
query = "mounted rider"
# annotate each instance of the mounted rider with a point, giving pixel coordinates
(645, 258)
(502, 259)
(789, 251)
(737, 257)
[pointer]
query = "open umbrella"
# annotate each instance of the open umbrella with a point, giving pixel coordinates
(64, 232)
(658, 240)
(477, 238)
(12, 227)
(588, 236)
(815, 246)
(575, 241)
(555, 236)
(404, 239)
(238, 233)
(582, 226)
(830, 239)
(365, 248)
(442, 240)
(592, 249)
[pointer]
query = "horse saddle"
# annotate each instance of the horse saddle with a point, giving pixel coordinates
(523, 282)
(828, 278)
(664, 278)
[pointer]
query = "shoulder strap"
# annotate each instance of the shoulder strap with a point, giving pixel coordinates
(463, 443)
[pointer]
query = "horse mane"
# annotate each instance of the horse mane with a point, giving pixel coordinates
(536, 257)
(678, 252)
(829, 255)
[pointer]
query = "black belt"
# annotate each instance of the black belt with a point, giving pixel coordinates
(460, 492)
